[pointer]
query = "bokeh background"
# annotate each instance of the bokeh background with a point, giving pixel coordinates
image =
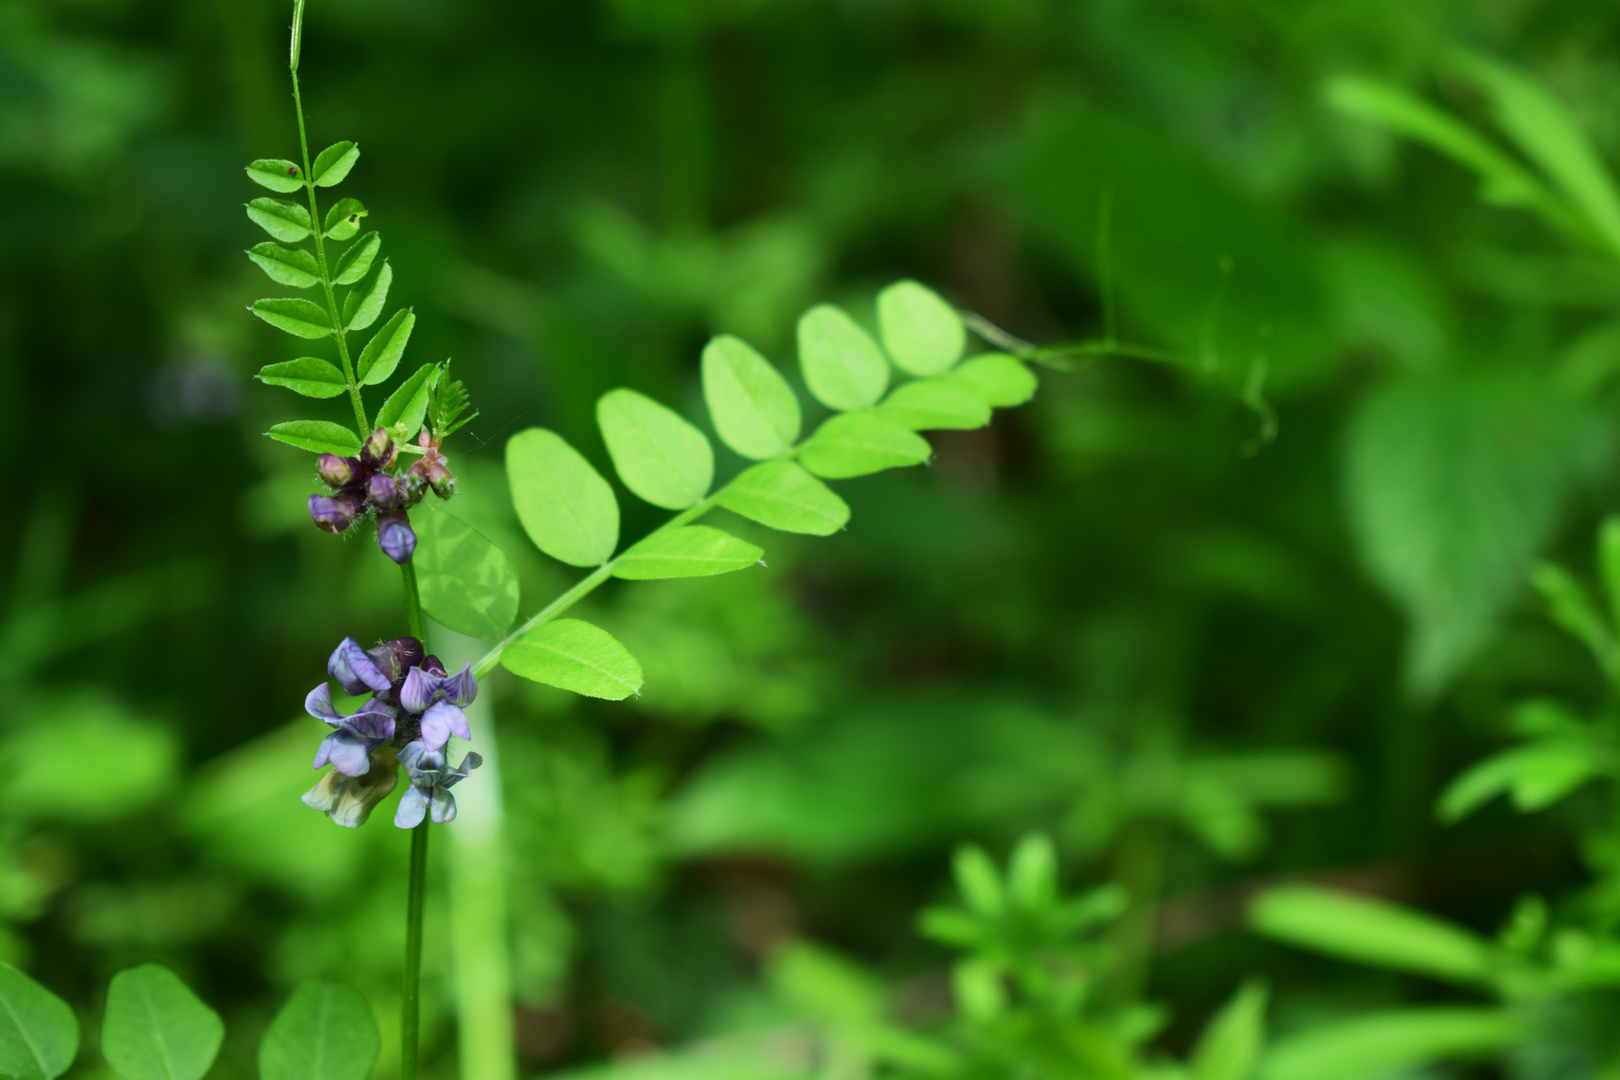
(1203, 660)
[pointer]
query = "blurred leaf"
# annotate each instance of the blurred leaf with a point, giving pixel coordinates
(979, 987)
(842, 365)
(689, 551)
(381, 355)
(1371, 932)
(467, 583)
(1032, 873)
(921, 332)
(856, 444)
(979, 882)
(1231, 1043)
(357, 260)
(1380, 1044)
(998, 380)
(1538, 775)
(277, 174)
(934, 404)
(39, 1035)
(363, 306)
(1571, 607)
(308, 375)
(300, 318)
(782, 495)
(286, 221)
(576, 656)
(1221, 816)
(334, 163)
(1608, 560)
(343, 220)
(565, 506)
(319, 436)
(754, 409)
(119, 764)
(827, 987)
(156, 1029)
(286, 265)
(660, 457)
(324, 1032)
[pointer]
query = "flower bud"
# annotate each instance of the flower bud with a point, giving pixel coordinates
(334, 514)
(382, 491)
(379, 450)
(337, 471)
(438, 478)
(395, 537)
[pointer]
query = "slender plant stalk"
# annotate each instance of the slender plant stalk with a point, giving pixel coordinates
(410, 1000)
(413, 601)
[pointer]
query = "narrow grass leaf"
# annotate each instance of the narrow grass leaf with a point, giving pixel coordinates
(934, 404)
(467, 583)
(407, 405)
(156, 1028)
(363, 306)
(690, 551)
(856, 444)
(308, 375)
(319, 436)
(334, 163)
(565, 506)
(1401, 1042)
(343, 220)
(357, 260)
(782, 495)
(39, 1035)
(298, 317)
(277, 174)
(324, 1032)
(659, 456)
(842, 365)
(574, 655)
(1233, 1040)
(286, 221)
(1537, 775)
(286, 265)
(1371, 932)
(754, 409)
(922, 333)
(998, 380)
(381, 355)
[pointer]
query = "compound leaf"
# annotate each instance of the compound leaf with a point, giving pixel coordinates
(324, 1032)
(856, 444)
(286, 221)
(381, 355)
(467, 583)
(334, 163)
(565, 506)
(782, 495)
(842, 365)
(689, 551)
(156, 1029)
(574, 655)
(659, 456)
(39, 1035)
(922, 333)
(298, 317)
(286, 265)
(319, 436)
(754, 409)
(308, 375)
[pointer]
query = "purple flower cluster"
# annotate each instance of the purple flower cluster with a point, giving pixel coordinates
(414, 708)
(364, 483)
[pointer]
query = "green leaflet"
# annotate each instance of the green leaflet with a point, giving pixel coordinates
(286, 265)
(334, 163)
(324, 1032)
(363, 306)
(932, 404)
(855, 444)
(307, 375)
(1536, 775)
(298, 317)
(467, 583)
(1371, 932)
(754, 410)
(407, 405)
(286, 221)
(357, 260)
(156, 1029)
(320, 436)
(689, 551)
(998, 380)
(658, 455)
(381, 355)
(922, 333)
(343, 220)
(782, 495)
(576, 656)
(1390, 1043)
(277, 174)
(1233, 1040)
(842, 365)
(39, 1035)
(565, 506)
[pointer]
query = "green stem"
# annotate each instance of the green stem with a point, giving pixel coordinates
(413, 602)
(410, 1000)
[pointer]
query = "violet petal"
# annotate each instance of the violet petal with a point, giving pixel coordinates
(318, 703)
(417, 693)
(412, 808)
(354, 670)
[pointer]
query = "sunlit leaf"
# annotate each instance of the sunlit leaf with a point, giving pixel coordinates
(308, 375)
(1371, 932)
(922, 333)
(754, 409)
(690, 551)
(277, 174)
(381, 355)
(855, 444)
(365, 303)
(320, 436)
(286, 221)
(286, 265)
(998, 380)
(782, 495)
(1231, 1043)
(934, 404)
(1376, 1045)
(334, 163)
(565, 506)
(299, 317)
(842, 365)
(343, 220)
(39, 1035)
(324, 1032)
(156, 1028)
(1537, 775)
(466, 582)
(357, 260)
(576, 656)
(1032, 881)
(1571, 607)
(659, 456)
(407, 405)
(979, 882)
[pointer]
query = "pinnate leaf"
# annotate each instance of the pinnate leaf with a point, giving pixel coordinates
(298, 317)
(308, 375)
(381, 355)
(319, 436)
(574, 655)
(324, 1032)
(856, 444)
(277, 174)
(998, 380)
(659, 456)
(156, 1028)
(364, 304)
(407, 405)
(689, 551)
(565, 506)
(286, 221)
(357, 260)
(754, 409)
(334, 163)
(39, 1035)
(922, 333)
(842, 365)
(343, 220)
(286, 265)
(932, 404)
(782, 495)
(467, 583)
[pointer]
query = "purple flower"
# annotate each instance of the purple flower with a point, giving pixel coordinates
(349, 747)
(395, 536)
(382, 492)
(438, 698)
(431, 780)
(349, 800)
(333, 514)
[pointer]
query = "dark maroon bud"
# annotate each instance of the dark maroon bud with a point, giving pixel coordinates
(334, 514)
(382, 491)
(395, 537)
(395, 658)
(433, 666)
(337, 471)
